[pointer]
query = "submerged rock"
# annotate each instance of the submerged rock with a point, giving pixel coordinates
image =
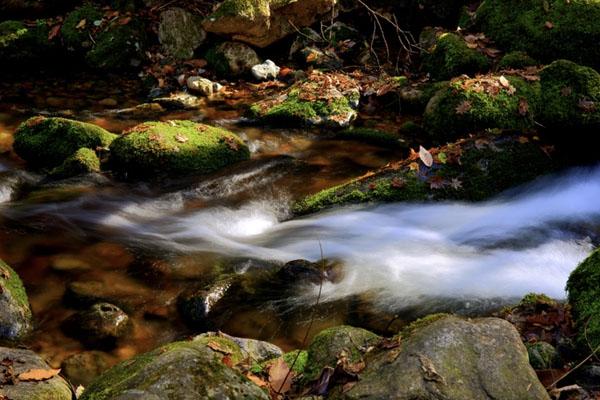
(177, 101)
(99, 326)
(261, 23)
(180, 33)
(175, 147)
(265, 71)
(196, 305)
(201, 85)
(82, 368)
(232, 59)
(18, 361)
(453, 359)
(15, 314)
(181, 370)
(48, 142)
(328, 100)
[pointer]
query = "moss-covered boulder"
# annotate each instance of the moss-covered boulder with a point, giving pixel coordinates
(263, 22)
(232, 59)
(450, 358)
(18, 361)
(570, 97)
(175, 147)
(470, 105)
(48, 142)
(15, 314)
(79, 26)
(516, 60)
(21, 45)
(328, 100)
(181, 370)
(545, 29)
(335, 343)
(543, 355)
(449, 56)
(180, 33)
(469, 169)
(84, 161)
(118, 47)
(583, 288)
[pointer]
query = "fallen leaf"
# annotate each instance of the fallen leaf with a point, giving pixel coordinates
(425, 156)
(81, 24)
(38, 374)
(442, 158)
(181, 138)
(218, 347)
(463, 107)
(566, 91)
(322, 384)
(54, 31)
(124, 21)
(549, 25)
(503, 81)
(523, 106)
(280, 376)
(587, 106)
(437, 182)
(227, 360)
(257, 380)
(398, 183)
(455, 184)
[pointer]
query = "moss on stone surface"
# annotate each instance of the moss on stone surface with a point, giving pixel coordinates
(534, 299)
(15, 317)
(82, 162)
(47, 142)
(20, 45)
(543, 355)
(571, 97)
(371, 136)
(450, 57)
(330, 344)
(472, 169)
(421, 323)
(175, 147)
(14, 285)
(75, 37)
(118, 47)
(301, 358)
(583, 289)
(516, 60)
(574, 32)
(471, 105)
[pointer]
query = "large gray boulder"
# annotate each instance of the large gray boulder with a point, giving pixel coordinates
(180, 33)
(452, 359)
(15, 314)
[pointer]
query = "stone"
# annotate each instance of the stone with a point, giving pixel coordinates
(82, 368)
(17, 361)
(543, 355)
(83, 161)
(263, 22)
(100, 326)
(200, 85)
(232, 59)
(453, 359)
(265, 71)
(180, 33)
(15, 313)
(178, 101)
(257, 351)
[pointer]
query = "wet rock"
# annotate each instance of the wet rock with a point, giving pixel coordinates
(371, 136)
(82, 368)
(334, 343)
(196, 305)
(84, 294)
(185, 147)
(328, 100)
(15, 314)
(326, 59)
(178, 370)
(84, 161)
(583, 288)
(256, 350)
(180, 33)
(201, 85)
(67, 263)
(108, 102)
(118, 47)
(543, 355)
(99, 326)
(17, 361)
(178, 101)
(300, 271)
(48, 142)
(516, 60)
(232, 59)
(265, 71)
(76, 35)
(264, 22)
(144, 111)
(305, 38)
(454, 359)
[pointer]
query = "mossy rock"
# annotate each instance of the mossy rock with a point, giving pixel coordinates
(543, 355)
(450, 56)
(175, 147)
(516, 60)
(15, 314)
(333, 343)
(545, 29)
(371, 136)
(232, 59)
(571, 97)
(472, 105)
(21, 45)
(415, 98)
(583, 288)
(84, 161)
(470, 169)
(178, 370)
(79, 38)
(48, 142)
(118, 47)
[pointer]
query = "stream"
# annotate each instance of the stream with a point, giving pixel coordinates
(146, 242)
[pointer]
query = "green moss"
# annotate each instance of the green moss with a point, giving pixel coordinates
(583, 289)
(533, 299)
(20, 45)
(119, 46)
(244, 8)
(223, 345)
(516, 60)
(217, 61)
(301, 358)
(543, 355)
(571, 97)
(472, 105)
(330, 344)
(483, 169)
(451, 57)
(14, 286)
(412, 129)
(421, 323)
(47, 142)
(79, 38)
(82, 162)
(175, 147)
(368, 135)
(523, 25)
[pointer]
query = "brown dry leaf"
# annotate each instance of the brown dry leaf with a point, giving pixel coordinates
(257, 380)
(425, 156)
(280, 376)
(587, 106)
(549, 25)
(398, 183)
(523, 106)
(456, 184)
(54, 31)
(437, 182)
(504, 82)
(566, 91)
(429, 372)
(38, 374)
(463, 107)
(81, 24)
(124, 21)
(217, 347)
(413, 166)
(227, 360)
(347, 386)
(181, 138)
(353, 368)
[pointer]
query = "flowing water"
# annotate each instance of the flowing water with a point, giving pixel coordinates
(146, 242)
